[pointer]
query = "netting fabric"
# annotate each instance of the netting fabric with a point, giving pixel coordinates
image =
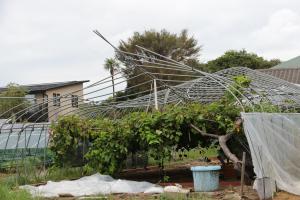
(274, 140)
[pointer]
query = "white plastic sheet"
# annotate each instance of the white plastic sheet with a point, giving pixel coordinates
(274, 140)
(96, 184)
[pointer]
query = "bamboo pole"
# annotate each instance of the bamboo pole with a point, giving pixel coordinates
(243, 174)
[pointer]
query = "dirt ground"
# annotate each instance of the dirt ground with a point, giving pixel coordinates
(286, 196)
(177, 173)
(181, 174)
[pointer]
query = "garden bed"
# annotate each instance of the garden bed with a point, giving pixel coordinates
(177, 173)
(180, 173)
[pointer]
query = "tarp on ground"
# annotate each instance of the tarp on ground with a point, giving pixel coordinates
(96, 184)
(274, 140)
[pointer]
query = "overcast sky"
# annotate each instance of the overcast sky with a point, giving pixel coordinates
(52, 40)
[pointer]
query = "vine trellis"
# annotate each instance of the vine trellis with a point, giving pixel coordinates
(170, 82)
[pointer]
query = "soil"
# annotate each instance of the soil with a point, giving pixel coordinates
(177, 173)
(3, 175)
(181, 174)
(286, 196)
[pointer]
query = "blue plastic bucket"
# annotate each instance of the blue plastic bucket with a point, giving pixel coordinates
(206, 178)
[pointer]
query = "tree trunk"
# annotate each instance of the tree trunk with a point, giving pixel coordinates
(222, 141)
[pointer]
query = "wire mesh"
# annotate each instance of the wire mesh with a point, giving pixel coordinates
(131, 88)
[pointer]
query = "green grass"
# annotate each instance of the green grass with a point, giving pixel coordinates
(31, 170)
(18, 154)
(165, 196)
(9, 183)
(33, 174)
(178, 196)
(197, 153)
(7, 193)
(28, 170)
(57, 174)
(184, 155)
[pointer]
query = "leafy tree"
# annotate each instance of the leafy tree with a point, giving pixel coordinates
(12, 100)
(112, 65)
(242, 58)
(180, 47)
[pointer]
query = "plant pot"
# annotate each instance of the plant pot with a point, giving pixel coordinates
(206, 178)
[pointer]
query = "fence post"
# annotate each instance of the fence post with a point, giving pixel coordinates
(243, 173)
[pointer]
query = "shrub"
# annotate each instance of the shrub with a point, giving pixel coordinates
(156, 133)
(110, 141)
(69, 140)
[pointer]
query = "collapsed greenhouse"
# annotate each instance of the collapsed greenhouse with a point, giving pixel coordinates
(272, 135)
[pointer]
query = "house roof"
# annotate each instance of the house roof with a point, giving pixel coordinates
(293, 63)
(35, 88)
(291, 75)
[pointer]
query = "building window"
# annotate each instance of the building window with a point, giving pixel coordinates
(75, 101)
(31, 98)
(56, 99)
(45, 101)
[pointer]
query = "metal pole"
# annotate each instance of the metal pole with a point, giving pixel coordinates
(243, 173)
(155, 94)
(45, 147)
(166, 96)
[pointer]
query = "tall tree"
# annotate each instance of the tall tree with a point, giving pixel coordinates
(112, 65)
(242, 58)
(180, 47)
(12, 100)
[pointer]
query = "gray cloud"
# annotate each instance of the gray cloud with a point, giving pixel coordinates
(46, 41)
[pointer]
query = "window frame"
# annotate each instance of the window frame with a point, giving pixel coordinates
(56, 99)
(74, 101)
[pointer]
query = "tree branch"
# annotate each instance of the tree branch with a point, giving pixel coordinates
(203, 133)
(222, 141)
